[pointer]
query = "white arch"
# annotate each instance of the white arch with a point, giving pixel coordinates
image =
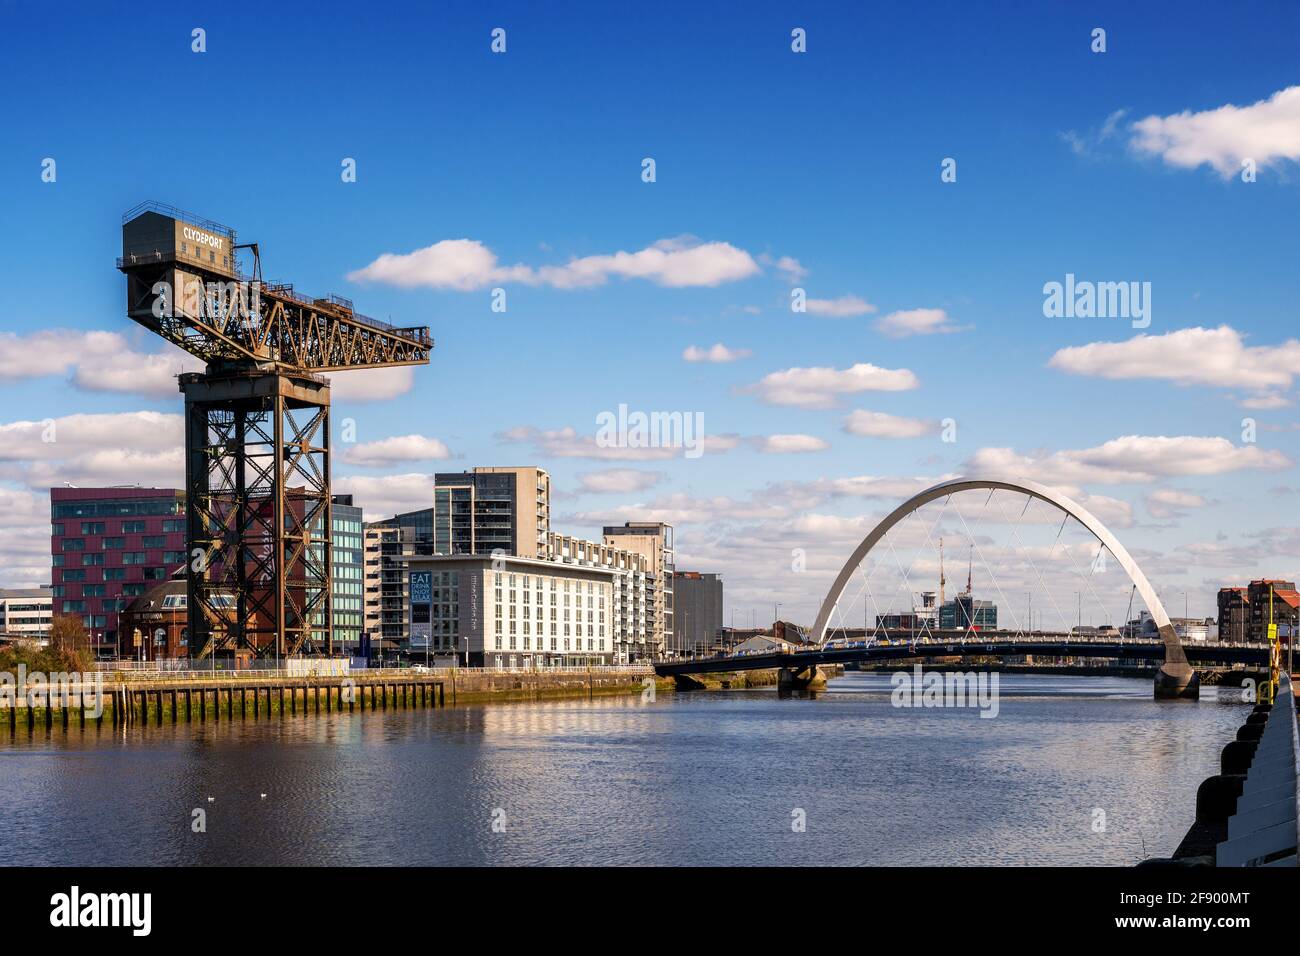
(1174, 653)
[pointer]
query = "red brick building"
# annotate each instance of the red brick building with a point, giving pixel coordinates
(107, 547)
(1244, 612)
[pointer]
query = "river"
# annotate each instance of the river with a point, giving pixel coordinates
(1073, 770)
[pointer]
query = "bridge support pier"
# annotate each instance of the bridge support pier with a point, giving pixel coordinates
(687, 682)
(1177, 681)
(788, 679)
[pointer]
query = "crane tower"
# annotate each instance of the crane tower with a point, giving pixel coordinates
(257, 435)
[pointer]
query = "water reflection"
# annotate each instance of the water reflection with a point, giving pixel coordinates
(704, 778)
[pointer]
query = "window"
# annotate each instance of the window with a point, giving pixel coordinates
(74, 544)
(173, 525)
(113, 544)
(115, 574)
(71, 575)
(91, 559)
(133, 557)
(154, 541)
(132, 527)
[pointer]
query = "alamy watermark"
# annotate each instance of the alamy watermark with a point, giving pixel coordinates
(63, 689)
(1074, 299)
(915, 688)
(626, 429)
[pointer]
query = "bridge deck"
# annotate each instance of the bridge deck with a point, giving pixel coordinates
(1153, 650)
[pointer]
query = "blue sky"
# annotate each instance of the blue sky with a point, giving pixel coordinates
(830, 157)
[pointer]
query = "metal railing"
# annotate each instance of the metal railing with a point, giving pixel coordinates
(150, 205)
(363, 674)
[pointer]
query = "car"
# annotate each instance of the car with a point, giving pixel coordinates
(420, 668)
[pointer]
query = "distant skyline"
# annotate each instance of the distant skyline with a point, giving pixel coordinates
(916, 180)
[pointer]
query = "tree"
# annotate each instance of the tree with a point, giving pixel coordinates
(70, 642)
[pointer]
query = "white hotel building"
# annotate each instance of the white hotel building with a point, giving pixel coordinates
(503, 611)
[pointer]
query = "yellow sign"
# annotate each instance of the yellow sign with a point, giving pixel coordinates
(136, 636)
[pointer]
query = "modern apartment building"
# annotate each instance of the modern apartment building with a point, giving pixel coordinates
(26, 612)
(387, 546)
(634, 592)
(347, 604)
(697, 612)
(653, 540)
(492, 509)
(508, 611)
(109, 545)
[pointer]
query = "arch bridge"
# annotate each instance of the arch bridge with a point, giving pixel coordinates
(1175, 677)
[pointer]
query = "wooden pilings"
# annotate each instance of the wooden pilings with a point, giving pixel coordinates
(153, 703)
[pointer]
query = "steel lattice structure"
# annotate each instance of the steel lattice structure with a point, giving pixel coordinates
(257, 471)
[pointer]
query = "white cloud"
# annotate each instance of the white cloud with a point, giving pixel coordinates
(1196, 356)
(95, 361)
(822, 387)
(882, 425)
(619, 480)
(873, 486)
(388, 451)
(567, 443)
(788, 444)
(1266, 131)
(72, 435)
(467, 264)
(1083, 145)
(371, 384)
(843, 307)
(105, 362)
(1171, 502)
(679, 509)
(25, 545)
(1132, 458)
(899, 325)
(716, 353)
(144, 448)
(1265, 402)
(381, 496)
(790, 268)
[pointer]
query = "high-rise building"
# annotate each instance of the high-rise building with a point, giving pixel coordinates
(387, 546)
(964, 612)
(697, 611)
(109, 545)
(654, 540)
(26, 612)
(347, 608)
(492, 509)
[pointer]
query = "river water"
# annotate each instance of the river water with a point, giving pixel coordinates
(1073, 770)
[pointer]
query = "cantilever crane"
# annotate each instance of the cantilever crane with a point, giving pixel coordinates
(257, 470)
